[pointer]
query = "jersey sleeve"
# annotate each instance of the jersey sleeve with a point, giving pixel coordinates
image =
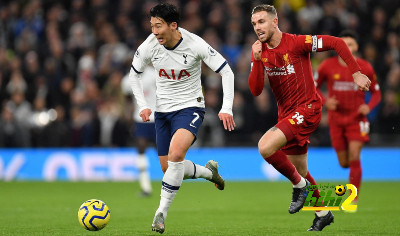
(319, 43)
(141, 58)
(210, 56)
(320, 78)
(374, 88)
(256, 76)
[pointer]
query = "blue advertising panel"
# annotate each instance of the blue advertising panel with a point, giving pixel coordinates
(236, 164)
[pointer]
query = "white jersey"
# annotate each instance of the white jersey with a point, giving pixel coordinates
(178, 69)
(148, 78)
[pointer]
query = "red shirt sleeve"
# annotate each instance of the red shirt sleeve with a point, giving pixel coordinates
(319, 43)
(374, 88)
(256, 77)
(320, 78)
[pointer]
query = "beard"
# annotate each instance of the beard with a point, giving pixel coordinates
(267, 38)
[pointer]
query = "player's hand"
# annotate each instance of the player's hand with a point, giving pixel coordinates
(331, 103)
(257, 49)
(145, 114)
(227, 120)
(363, 109)
(361, 81)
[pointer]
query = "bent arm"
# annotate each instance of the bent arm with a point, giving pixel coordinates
(376, 97)
(326, 42)
(137, 89)
(256, 78)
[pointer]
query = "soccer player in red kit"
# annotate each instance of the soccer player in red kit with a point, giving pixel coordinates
(285, 59)
(348, 123)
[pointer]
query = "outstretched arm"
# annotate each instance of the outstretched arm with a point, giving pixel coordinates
(137, 89)
(326, 42)
(226, 115)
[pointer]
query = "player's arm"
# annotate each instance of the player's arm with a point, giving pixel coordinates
(139, 63)
(226, 115)
(256, 77)
(376, 96)
(320, 78)
(318, 43)
(217, 63)
(137, 89)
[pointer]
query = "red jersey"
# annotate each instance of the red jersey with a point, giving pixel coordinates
(340, 84)
(289, 71)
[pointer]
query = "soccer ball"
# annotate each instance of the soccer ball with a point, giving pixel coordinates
(340, 190)
(93, 215)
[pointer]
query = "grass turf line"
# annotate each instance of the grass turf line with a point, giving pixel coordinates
(243, 208)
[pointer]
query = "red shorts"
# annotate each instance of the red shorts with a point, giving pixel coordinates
(298, 127)
(344, 132)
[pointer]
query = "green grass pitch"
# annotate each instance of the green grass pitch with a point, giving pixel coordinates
(243, 208)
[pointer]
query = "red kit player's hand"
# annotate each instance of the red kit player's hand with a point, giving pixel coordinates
(363, 109)
(361, 81)
(257, 48)
(331, 103)
(145, 114)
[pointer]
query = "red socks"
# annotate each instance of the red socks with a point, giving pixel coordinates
(355, 174)
(312, 182)
(282, 164)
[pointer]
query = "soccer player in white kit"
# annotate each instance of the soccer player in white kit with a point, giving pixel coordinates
(144, 132)
(176, 55)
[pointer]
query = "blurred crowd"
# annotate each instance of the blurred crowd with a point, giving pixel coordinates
(62, 62)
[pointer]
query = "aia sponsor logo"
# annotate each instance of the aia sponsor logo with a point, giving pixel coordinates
(173, 75)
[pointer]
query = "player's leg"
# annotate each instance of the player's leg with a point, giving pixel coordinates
(355, 164)
(343, 157)
(143, 164)
(298, 157)
(339, 143)
(322, 218)
(163, 162)
(268, 147)
(191, 119)
(173, 177)
(192, 170)
(300, 162)
(357, 134)
(163, 140)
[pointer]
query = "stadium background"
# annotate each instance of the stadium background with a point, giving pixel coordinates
(61, 64)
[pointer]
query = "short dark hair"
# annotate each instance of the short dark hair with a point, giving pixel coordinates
(350, 34)
(168, 12)
(265, 7)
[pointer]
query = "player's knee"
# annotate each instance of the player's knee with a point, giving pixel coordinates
(354, 156)
(176, 155)
(265, 149)
(344, 163)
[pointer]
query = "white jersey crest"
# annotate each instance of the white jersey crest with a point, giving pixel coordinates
(178, 69)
